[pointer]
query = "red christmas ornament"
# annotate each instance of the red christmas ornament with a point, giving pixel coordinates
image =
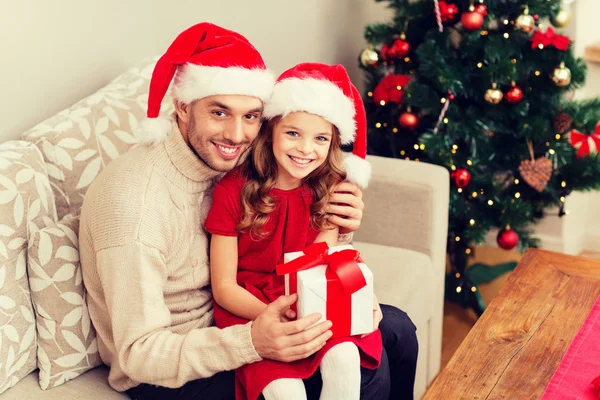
(481, 9)
(408, 120)
(507, 239)
(461, 177)
(390, 89)
(398, 49)
(448, 11)
(514, 95)
(472, 20)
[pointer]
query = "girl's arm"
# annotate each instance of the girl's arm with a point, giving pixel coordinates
(223, 270)
(330, 236)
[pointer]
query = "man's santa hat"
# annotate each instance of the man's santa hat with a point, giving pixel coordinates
(208, 60)
(326, 91)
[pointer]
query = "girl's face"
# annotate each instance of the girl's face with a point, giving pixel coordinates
(301, 143)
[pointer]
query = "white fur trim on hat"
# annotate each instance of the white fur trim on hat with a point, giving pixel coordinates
(153, 130)
(194, 82)
(358, 170)
(315, 96)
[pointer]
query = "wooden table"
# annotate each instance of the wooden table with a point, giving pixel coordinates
(517, 344)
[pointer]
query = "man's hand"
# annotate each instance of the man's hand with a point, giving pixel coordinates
(277, 339)
(346, 207)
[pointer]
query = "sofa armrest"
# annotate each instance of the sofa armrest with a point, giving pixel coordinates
(406, 206)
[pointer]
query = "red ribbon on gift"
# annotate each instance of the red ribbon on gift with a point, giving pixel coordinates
(586, 144)
(344, 278)
(561, 42)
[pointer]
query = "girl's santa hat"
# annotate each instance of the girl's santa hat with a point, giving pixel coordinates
(209, 60)
(326, 90)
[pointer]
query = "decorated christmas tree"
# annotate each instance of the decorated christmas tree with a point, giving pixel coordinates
(485, 89)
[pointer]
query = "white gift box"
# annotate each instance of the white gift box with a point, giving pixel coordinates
(312, 295)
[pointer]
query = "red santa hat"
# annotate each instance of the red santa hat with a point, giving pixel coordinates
(326, 90)
(206, 60)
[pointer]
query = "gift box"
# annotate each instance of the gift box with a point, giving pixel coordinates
(333, 282)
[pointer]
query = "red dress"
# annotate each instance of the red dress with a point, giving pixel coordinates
(289, 230)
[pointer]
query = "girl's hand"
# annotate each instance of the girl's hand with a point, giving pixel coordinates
(288, 315)
(346, 207)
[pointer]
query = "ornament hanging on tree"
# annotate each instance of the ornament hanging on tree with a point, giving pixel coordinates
(461, 177)
(390, 89)
(562, 17)
(562, 122)
(585, 144)
(536, 173)
(525, 22)
(408, 120)
(507, 238)
(369, 57)
(481, 9)
(493, 95)
(514, 95)
(561, 75)
(472, 20)
(398, 49)
(448, 11)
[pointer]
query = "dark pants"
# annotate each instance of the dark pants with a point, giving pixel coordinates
(394, 379)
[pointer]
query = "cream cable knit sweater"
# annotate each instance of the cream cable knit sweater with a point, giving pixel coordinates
(145, 267)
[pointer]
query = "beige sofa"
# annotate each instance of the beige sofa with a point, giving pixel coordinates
(402, 239)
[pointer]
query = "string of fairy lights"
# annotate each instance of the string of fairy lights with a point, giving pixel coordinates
(561, 77)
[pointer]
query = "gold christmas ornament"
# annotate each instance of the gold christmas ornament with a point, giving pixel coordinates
(493, 95)
(562, 18)
(561, 75)
(525, 22)
(369, 57)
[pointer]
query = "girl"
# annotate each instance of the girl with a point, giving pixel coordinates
(272, 204)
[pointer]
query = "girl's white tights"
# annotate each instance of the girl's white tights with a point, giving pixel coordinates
(340, 371)
(285, 388)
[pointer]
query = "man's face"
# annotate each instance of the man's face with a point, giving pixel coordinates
(220, 128)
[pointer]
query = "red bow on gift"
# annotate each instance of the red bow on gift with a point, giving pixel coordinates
(561, 42)
(344, 277)
(586, 144)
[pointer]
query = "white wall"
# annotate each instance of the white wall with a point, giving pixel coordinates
(56, 52)
(587, 33)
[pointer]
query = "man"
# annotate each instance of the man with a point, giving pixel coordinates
(144, 251)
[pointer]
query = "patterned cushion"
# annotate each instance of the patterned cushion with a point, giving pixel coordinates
(80, 141)
(26, 204)
(67, 344)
